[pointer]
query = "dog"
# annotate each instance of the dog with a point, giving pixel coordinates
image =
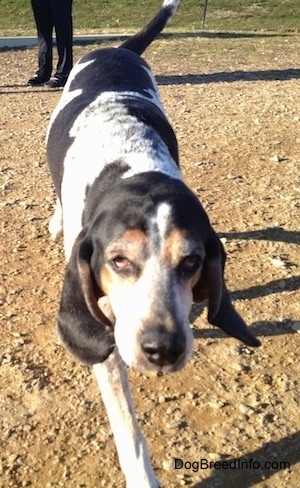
(138, 244)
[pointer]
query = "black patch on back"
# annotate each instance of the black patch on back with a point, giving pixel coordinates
(110, 69)
(152, 116)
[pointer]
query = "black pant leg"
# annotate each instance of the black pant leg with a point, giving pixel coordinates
(62, 17)
(44, 24)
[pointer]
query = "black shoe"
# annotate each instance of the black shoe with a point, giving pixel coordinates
(37, 80)
(56, 82)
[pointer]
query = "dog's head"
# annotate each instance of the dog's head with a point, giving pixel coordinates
(147, 252)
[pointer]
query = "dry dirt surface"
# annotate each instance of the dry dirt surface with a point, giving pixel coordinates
(235, 104)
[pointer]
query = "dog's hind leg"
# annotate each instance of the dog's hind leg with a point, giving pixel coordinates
(56, 222)
(131, 445)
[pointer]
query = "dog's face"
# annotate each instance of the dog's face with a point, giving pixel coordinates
(141, 265)
(148, 276)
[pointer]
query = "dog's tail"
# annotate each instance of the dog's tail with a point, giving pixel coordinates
(141, 40)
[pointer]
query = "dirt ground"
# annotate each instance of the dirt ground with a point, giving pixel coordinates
(235, 104)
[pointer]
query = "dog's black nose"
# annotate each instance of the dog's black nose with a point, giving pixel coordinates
(162, 347)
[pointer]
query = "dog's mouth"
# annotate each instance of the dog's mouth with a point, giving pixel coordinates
(157, 365)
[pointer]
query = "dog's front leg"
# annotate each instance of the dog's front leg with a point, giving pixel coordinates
(131, 445)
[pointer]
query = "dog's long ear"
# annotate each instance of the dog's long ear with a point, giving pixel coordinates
(83, 328)
(211, 286)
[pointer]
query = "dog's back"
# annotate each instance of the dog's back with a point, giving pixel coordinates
(98, 84)
(117, 70)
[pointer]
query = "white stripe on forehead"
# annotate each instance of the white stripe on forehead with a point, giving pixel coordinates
(162, 219)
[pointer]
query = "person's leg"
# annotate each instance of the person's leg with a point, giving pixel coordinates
(44, 23)
(62, 19)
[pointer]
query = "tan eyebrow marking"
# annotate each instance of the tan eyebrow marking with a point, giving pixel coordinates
(132, 243)
(175, 246)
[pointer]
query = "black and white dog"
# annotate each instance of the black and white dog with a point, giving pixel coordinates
(139, 246)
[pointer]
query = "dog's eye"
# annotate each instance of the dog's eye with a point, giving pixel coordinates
(120, 263)
(190, 261)
(189, 265)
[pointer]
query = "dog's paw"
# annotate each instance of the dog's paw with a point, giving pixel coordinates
(56, 225)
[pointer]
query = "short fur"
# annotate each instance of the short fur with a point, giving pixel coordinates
(139, 245)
